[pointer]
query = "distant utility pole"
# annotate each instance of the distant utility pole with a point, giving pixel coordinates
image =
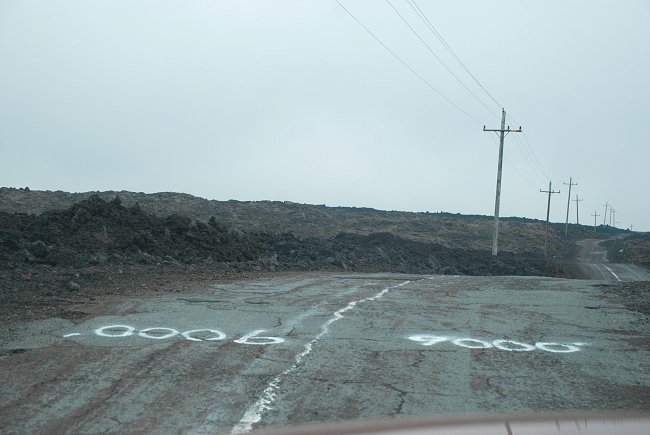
(614, 220)
(568, 203)
(548, 212)
(577, 214)
(631, 227)
(605, 215)
(595, 215)
(502, 134)
(611, 212)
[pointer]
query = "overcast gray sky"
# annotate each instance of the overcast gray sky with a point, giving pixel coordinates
(293, 100)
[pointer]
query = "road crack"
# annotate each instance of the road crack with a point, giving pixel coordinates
(268, 396)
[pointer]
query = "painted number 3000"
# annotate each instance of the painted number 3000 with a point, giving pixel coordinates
(509, 345)
(161, 333)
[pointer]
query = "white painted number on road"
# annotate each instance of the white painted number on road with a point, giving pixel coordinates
(218, 335)
(152, 333)
(162, 333)
(252, 338)
(508, 345)
(428, 340)
(559, 347)
(472, 343)
(515, 346)
(126, 331)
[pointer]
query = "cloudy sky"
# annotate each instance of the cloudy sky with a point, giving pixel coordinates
(294, 100)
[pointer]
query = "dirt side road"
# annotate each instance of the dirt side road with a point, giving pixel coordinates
(592, 260)
(319, 348)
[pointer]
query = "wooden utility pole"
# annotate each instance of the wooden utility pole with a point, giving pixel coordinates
(548, 212)
(595, 215)
(568, 203)
(577, 214)
(502, 134)
(605, 215)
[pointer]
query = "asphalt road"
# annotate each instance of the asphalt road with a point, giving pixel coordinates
(319, 348)
(592, 259)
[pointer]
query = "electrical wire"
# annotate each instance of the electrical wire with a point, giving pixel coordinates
(513, 166)
(525, 147)
(528, 159)
(529, 156)
(437, 34)
(439, 59)
(535, 159)
(530, 148)
(406, 65)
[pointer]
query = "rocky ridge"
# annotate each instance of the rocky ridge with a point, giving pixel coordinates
(58, 256)
(304, 220)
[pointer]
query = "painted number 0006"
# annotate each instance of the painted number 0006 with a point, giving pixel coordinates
(161, 333)
(509, 345)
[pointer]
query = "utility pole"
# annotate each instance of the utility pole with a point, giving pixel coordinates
(605, 215)
(502, 134)
(611, 212)
(548, 212)
(614, 220)
(568, 203)
(577, 214)
(595, 215)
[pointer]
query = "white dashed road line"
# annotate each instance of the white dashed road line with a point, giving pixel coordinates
(610, 271)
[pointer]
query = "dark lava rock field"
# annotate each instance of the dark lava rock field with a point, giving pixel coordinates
(97, 247)
(95, 232)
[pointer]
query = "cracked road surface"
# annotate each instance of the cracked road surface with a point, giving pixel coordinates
(312, 348)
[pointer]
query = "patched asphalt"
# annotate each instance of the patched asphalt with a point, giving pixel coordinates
(321, 348)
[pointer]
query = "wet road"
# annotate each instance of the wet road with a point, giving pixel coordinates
(592, 259)
(320, 348)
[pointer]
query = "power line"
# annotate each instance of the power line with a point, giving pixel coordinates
(406, 65)
(513, 166)
(532, 151)
(527, 145)
(527, 149)
(437, 34)
(439, 59)
(528, 159)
